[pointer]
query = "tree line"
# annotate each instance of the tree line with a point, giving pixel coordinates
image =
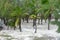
(12, 11)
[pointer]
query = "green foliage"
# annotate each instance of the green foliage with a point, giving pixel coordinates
(11, 23)
(46, 14)
(33, 16)
(53, 22)
(44, 1)
(10, 9)
(56, 15)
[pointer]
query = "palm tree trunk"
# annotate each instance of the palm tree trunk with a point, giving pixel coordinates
(27, 18)
(48, 24)
(20, 24)
(49, 19)
(34, 25)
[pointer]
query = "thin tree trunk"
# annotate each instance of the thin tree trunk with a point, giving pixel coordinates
(27, 18)
(34, 25)
(49, 19)
(20, 24)
(48, 24)
(35, 29)
(4, 21)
